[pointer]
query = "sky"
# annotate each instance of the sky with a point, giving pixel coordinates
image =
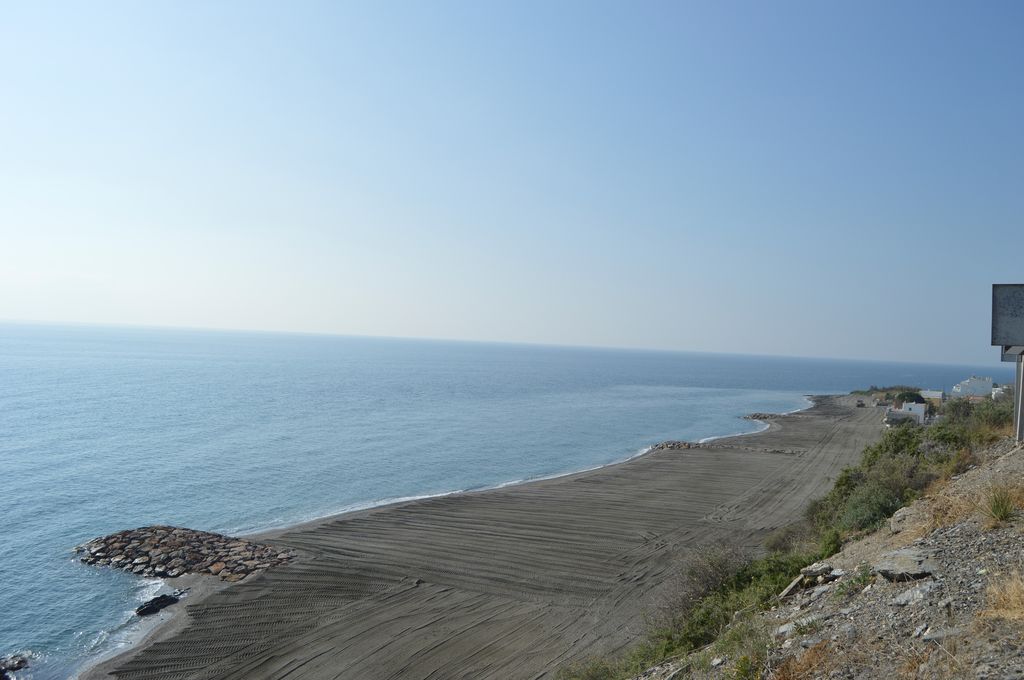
(796, 178)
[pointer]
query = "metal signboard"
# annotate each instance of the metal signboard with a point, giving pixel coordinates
(1008, 333)
(1008, 314)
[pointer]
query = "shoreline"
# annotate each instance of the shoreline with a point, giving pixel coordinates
(200, 585)
(388, 502)
(271, 533)
(178, 619)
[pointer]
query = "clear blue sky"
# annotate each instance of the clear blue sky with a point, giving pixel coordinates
(830, 179)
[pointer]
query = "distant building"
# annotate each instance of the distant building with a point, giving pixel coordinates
(933, 397)
(972, 387)
(909, 411)
(999, 392)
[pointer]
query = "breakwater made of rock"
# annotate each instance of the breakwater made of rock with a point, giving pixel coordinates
(170, 552)
(673, 445)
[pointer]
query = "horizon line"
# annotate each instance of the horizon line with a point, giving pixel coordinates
(552, 345)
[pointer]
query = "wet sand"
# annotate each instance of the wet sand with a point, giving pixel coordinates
(505, 583)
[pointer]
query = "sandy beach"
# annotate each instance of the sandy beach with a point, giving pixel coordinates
(506, 583)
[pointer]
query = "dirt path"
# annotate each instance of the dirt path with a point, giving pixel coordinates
(508, 583)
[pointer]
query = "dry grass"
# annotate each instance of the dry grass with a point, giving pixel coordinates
(989, 434)
(1005, 598)
(958, 463)
(1000, 502)
(816, 662)
(915, 657)
(947, 509)
(997, 504)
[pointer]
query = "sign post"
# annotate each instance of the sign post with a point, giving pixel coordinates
(1008, 334)
(1018, 403)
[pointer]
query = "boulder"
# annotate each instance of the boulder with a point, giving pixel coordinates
(817, 569)
(899, 519)
(916, 594)
(906, 564)
(156, 604)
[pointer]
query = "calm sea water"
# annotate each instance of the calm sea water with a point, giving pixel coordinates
(103, 429)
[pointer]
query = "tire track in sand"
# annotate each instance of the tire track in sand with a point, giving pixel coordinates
(507, 583)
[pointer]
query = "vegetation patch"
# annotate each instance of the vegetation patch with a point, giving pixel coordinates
(1005, 598)
(907, 460)
(719, 595)
(856, 583)
(947, 510)
(999, 503)
(723, 615)
(816, 662)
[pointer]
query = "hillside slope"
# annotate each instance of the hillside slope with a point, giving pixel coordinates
(936, 592)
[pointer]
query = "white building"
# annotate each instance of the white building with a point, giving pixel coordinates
(910, 410)
(972, 387)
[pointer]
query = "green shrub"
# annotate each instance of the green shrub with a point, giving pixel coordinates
(831, 543)
(799, 536)
(957, 410)
(892, 473)
(822, 512)
(993, 414)
(746, 669)
(950, 434)
(913, 396)
(869, 506)
(968, 423)
(710, 569)
(904, 438)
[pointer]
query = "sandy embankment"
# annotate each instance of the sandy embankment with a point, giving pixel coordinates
(506, 583)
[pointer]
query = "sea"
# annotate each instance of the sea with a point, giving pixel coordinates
(108, 428)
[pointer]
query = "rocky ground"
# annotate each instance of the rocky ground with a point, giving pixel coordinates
(938, 593)
(169, 552)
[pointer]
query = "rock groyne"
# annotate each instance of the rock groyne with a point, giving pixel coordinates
(673, 445)
(170, 552)
(763, 416)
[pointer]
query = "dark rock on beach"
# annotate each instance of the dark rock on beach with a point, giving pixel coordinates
(156, 604)
(170, 552)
